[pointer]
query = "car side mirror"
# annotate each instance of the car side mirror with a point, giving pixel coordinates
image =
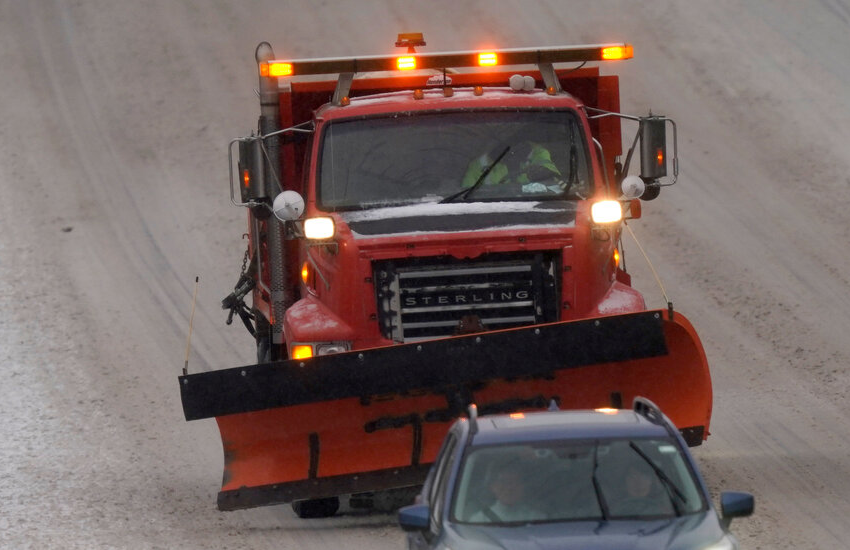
(735, 505)
(416, 517)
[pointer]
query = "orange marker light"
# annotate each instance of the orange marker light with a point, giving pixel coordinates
(246, 178)
(406, 63)
(280, 69)
(517, 415)
(275, 68)
(617, 52)
(616, 258)
(302, 351)
(659, 157)
(305, 272)
(606, 410)
(487, 59)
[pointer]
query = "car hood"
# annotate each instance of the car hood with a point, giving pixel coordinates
(690, 532)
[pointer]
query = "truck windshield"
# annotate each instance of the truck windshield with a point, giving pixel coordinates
(415, 157)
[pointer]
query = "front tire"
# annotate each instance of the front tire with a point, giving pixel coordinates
(316, 508)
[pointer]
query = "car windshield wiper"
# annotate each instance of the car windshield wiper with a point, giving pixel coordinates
(463, 193)
(603, 506)
(668, 483)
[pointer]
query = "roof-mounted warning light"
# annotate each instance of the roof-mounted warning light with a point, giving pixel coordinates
(410, 40)
(406, 63)
(488, 59)
(447, 60)
(347, 67)
(612, 53)
(276, 68)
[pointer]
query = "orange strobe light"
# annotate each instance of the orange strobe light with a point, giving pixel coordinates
(276, 68)
(488, 59)
(618, 52)
(406, 63)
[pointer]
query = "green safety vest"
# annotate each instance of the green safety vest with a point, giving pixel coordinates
(539, 156)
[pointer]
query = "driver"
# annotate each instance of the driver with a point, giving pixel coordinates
(510, 492)
(535, 165)
(643, 494)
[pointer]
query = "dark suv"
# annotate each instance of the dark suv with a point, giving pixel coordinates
(608, 478)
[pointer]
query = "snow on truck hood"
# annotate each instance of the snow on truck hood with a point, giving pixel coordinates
(458, 217)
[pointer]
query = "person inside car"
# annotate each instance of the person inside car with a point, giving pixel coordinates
(510, 492)
(643, 495)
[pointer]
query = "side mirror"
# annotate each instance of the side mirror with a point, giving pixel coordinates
(653, 148)
(735, 505)
(288, 206)
(252, 180)
(416, 517)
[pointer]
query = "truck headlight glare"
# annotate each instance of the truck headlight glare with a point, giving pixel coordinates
(318, 228)
(606, 212)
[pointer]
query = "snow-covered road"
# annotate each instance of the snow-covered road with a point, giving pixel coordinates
(114, 123)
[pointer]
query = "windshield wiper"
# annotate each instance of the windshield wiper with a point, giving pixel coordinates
(668, 483)
(603, 506)
(463, 193)
(572, 179)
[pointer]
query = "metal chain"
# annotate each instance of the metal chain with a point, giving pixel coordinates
(245, 258)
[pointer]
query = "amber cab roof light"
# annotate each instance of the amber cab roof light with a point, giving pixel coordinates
(445, 60)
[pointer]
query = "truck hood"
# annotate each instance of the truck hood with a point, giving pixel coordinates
(461, 216)
(685, 533)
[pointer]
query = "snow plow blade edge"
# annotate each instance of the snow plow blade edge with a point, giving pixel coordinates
(433, 365)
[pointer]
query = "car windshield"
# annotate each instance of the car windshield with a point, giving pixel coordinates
(569, 481)
(411, 158)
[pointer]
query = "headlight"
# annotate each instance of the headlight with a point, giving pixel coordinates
(726, 543)
(319, 228)
(606, 212)
(332, 347)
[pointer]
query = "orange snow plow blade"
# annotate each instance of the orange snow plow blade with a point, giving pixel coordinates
(374, 419)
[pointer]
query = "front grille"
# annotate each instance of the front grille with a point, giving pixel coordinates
(424, 298)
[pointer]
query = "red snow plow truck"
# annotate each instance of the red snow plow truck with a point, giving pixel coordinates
(428, 230)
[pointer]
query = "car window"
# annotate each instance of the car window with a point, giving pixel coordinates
(570, 481)
(646, 477)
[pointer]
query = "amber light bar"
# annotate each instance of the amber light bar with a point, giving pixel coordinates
(517, 56)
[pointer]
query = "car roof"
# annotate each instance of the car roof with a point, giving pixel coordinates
(540, 426)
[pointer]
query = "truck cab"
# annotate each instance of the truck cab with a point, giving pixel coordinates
(403, 237)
